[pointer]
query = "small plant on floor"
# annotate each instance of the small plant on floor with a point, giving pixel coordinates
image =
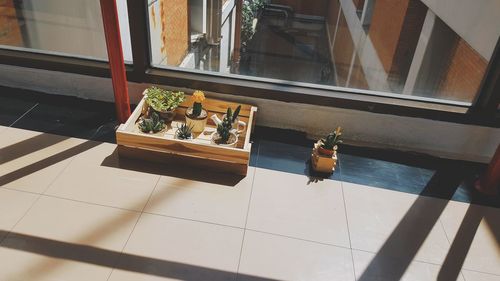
(151, 125)
(328, 145)
(184, 132)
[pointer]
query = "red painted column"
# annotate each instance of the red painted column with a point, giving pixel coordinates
(490, 181)
(115, 55)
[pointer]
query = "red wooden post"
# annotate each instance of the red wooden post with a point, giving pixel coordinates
(490, 181)
(115, 55)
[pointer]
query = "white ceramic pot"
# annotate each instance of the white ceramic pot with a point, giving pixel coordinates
(196, 123)
(215, 136)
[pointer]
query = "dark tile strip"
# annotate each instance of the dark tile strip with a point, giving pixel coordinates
(276, 149)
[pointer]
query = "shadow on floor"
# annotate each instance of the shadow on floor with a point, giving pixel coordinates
(27, 146)
(179, 171)
(44, 163)
(394, 257)
(114, 259)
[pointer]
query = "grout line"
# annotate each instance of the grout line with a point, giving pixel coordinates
(449, 243)
(193, 220)
(23, 114)
(133, 228)
(248, 211)
(299, 239)
(395, 257)
(348, 229)
(482, 272)
(89, 203)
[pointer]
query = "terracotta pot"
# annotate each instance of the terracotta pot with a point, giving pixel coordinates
(197, 123)
(324, 151)
(215, 136)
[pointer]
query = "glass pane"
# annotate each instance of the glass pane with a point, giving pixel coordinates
(410, 48)
(66, 27)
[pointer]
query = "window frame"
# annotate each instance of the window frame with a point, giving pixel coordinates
(483, 110)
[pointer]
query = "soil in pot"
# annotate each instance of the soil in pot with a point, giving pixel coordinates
(233, 139)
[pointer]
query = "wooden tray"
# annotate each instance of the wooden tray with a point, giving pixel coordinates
(163, 147)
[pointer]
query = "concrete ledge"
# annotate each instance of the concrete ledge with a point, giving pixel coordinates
(438, 138)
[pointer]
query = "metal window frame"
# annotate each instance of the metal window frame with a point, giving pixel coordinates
(483, 110)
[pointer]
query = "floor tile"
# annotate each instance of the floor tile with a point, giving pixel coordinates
(13, 206)
(282, 258)
(30, 160)
(85, 179)
(284, 203)
(11, 109)
(42, 245)
(204, 201)
(75, 118)
(475, 234)
(370, 267)
(290, 158)
(395, 223)
(479, 276)
(167, 248)
(383, 174)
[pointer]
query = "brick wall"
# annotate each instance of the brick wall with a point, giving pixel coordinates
(465, 72)
(394, 31)
(407, 43)
(357, 79)
(343, 49)
(174, 35)
(359, 4)
(387, 22)
(10, 33)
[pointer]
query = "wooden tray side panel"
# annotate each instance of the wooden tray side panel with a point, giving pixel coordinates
(182, 147)
(172, 159)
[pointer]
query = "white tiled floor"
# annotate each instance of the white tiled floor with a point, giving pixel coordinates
(87, 220)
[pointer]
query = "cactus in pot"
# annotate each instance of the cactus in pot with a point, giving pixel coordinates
(196, 116)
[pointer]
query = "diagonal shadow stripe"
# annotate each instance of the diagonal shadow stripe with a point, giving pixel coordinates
(108, 258)
(42, 164)
(399, 250)
(27, 146)
(450, 270)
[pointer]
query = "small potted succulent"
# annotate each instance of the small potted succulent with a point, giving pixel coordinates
(152, 124)
(196, 116)
(225, 134)
(328, 145)
(184, 132)
(163, 102)
(233, 116)
(324, 153)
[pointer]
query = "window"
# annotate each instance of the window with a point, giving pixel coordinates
(413, 49)
(62, 27)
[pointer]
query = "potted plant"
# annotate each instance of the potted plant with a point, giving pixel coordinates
(328, 145)
(164, 102)
(225, 135)
(233, 117)
(324, 154)
(151, 124)
(196, 116)
(184, 132)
